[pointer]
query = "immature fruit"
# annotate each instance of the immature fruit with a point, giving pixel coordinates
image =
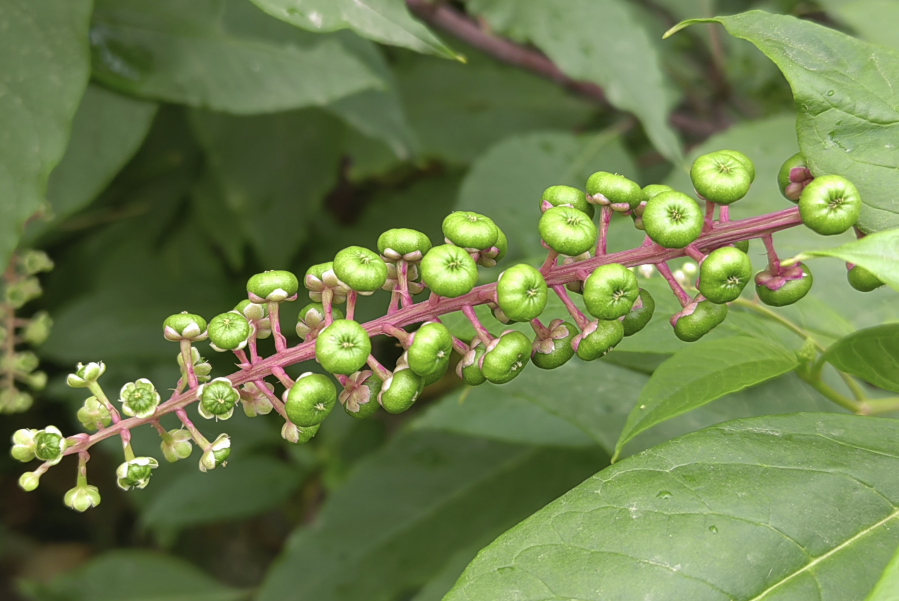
(217, 399)
(750, 167)
(742, 245)
(449, 271)
(297, 435)
(611, 189)
(438, 373)
(721, 178)
(184, 326)
(610, 291)
(521, 293)
(653, 190)
(228, 331)
(672, 219)
(312, 316)
(597, 339)
(724, 274)
(558, 196)
(790, 291)
(343, 347)
(274, 286)
(470, 230)
(555, 350)
(400, 391)
(361, 269)
(310, 399)
(793, 177)
(863, 280)
(430, 349)
(469, 368)
(640, 314)
(403, 243)
(830, 205)
(506, 357)
(567, 231)
(698, 319)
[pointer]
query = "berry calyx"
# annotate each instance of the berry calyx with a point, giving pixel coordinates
(724, 274)
(793, 177)
(610, 291)
(312, 316)
(359, 396)
(521, 293)
(672, 219)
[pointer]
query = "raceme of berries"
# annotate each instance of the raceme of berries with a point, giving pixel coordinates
(675, 226)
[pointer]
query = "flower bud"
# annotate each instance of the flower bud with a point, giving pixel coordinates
(216, 454)
(135, 473)
(86, 375)
(94, 412)
(178, 446)
(36, 380)
(23, 445)
(38, 329)
(22, 363)
(139, 398)
(13, 401)
(35, 261)
(82, 498)
(253, 400)
(29, 480)
(49, 445)
(19, 293)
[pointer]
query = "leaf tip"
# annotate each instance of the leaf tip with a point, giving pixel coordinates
(684, 25)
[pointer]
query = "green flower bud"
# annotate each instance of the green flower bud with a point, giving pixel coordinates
(217, 399)
(720, 177)
(217, 453)
(400, 391)
(555, 349)
(24, 445)
(184, 326)
(254, 401)
(178, 446)
(13, 401)
(506, 357)
(598, 339)
(22, 363)
(610, 291)
(431, 346)
(38, 329)
(672, 219)
(29, 481)
(35, 261)
(640, 314)
(252, 311)
(228, 331)
(469, 230)
(361, 269)
(616, 191)
(135, 473)
(139, 398)
(49, 445)
(94, 412)
(521, 293)
(82, 498)
(566, 196)
(85, 375)
(360, 393)
(312, 316)
(19, 293)
(276, 286)
(202, 369)
(310, 399)
(402, 243)
(830, 205)
(449, 271)
(567, 231)
(36, 380)
(297, 435)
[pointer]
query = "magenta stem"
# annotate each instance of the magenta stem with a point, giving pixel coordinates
(709, 217)
(402, 274)
(459, 346)
(275, 323)
(723, 214)
(433, 300)
(773, 261)
(188, 363)
(351, 304)
(242, 357)
(722, 235)
(550, 262)
(694, 253)
(194, 433)
(682, 296)
(380, 371)
(254, 355)
(327, 302)
(273, 399)
(579, 318)
(605, 219)
(482, 332)
(541, 330)
(399, 334)
(394, 302)
(282, 376)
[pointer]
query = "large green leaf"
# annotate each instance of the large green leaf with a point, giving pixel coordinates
(44, 67)
(878, 253)
(129, 575)
(507, 181)
(786, 507)
(410, 507)
(274, 171)
(223, 55)
(887, 588)
(385, 21)
(848, 118)
(871, 354)
(601, 41)
(701, 373)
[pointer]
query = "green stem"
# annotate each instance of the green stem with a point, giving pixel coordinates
(129, 454)
(742, 302)
(833, 396)
(887, 405)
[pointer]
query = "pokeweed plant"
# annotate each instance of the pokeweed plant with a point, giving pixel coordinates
(577, 305)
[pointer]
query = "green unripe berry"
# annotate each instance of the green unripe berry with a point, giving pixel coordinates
(698, 319)
(469, 230)
(559, 196)
(449, 271)
(719, 177)
(598, 338)
(724, 274)
(793, 177)
(640, 314)
(310, 399)
(655, 189)
(361, 269)
(430, 350)
(138, 398)
(830, 205)
(555, 350)
(276, 286)
(611, 189)
(403, 243)
(789, 289)
(863, 280)
(567, 231)
(506, 357)
(672, 219)
(610, 291)
(49, 445)
(312, 316)
(750, 167)
(437, 374)
(742, 245)
(469, 368)
(217, 399)
(343, 347)
(184, 326)
(135, 473)
(521, 293)
(400, 391)
(495, 254)
(228, 331)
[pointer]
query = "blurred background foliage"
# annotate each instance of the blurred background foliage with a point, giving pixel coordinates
(219, 138)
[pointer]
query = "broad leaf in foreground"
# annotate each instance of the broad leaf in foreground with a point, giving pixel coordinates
(701, 373)
(44, 67)
(385, 21)
(771, 508)
(878, 253)
(848, 117)
(871, 354)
